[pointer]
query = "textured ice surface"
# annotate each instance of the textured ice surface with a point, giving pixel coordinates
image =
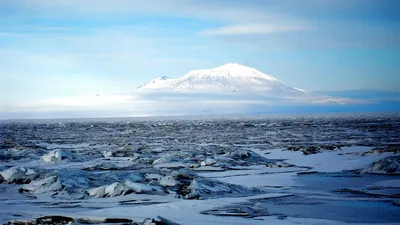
(45, 185)
(254, 170)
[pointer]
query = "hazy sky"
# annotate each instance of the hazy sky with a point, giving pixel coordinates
(51, 49)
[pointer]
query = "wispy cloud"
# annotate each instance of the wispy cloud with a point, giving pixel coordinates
(334, 19)
(250, 29)
(149, 103)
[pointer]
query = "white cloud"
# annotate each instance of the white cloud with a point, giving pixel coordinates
(158, 102)
(99, 102)
(250, 29)
(231, 11)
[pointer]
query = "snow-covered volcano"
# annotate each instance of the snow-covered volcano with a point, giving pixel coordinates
(232, 79)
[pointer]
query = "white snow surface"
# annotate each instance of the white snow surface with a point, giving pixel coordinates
(44, 186)
(118, 189)
(54, 156)
(328, 161)
(15, 172)
(8, 173)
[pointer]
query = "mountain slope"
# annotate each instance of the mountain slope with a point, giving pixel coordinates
(234, 80)
(227, 78)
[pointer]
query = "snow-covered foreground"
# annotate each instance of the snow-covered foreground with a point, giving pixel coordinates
(254, 170)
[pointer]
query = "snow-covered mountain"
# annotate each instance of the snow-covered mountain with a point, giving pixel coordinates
(235, 80)
(231, 77)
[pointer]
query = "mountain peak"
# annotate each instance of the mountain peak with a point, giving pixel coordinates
(164, 78)
(234, 66)
(231, 70)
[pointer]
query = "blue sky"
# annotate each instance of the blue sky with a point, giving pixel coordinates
(52, 49)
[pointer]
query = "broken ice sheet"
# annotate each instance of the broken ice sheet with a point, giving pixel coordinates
(177, 169)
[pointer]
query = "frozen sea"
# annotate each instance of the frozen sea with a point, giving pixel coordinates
(293, 169)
